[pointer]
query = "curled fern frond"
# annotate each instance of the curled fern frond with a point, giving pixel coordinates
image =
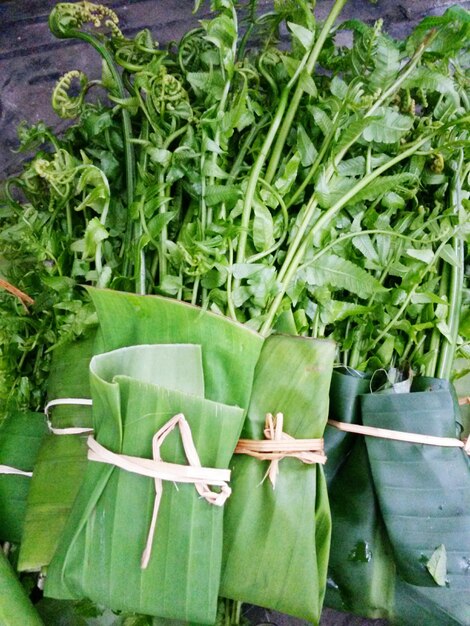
(64, 104)
(164, 94)
(192, 50)
(68, 18)
(134, 54)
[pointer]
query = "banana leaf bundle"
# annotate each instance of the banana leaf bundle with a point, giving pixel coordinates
(276, 540)
(61, 461)
(372, 561)
(424, 490)
(20, 438)
(199, 360)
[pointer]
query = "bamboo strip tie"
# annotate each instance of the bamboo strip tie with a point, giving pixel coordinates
(279, 445)
(398, 435)
(194, 473)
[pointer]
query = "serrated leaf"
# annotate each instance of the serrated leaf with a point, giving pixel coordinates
(384, 184)
(338, 88)
(388, 126)
(158, 222)
(337, 310)
(352, 167)
(387, 62)
(425, 255)
(328, 192)
(449, 255)
(321, 119)
(308, 84)
(218, 194)
(213, 170)
(437, 565)
(364, 244)
(339, 273)
(430, 80)
(244, 270)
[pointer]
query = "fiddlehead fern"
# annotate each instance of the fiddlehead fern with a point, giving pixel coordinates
(68, 18)
(64, 104)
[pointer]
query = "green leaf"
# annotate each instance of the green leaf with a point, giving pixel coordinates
(321, 119)
(15, 607)
(388, 126)
(305, 147)
(339, 273)
(305, 36)
(338, 310)
(424, 255)
(95, 232)
(284, 182)
(263, 227)
(437, 565)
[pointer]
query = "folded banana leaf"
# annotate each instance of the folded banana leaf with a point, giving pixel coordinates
(423, 490)
(361, 571)
(362, 574)
(62, 458)
(15, 606)
(346, 386)
(20, 439)
(276, 541)
(230, 350)
(135, 392)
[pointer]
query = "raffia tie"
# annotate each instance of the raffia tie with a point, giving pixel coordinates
(398, 435)
(279, 445)
(194, 473)
(66, 401)
(7, 469)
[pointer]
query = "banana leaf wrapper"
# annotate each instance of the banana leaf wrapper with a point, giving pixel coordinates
(423, 490)
(230, 350)
(346, 387)
(16, 608)
(276, 541)
(362, 576)
(361, 571)
(135, 392)
(61, 461)
(21, 434)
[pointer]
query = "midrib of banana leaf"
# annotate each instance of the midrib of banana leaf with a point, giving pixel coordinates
(20, 439)
(230, 350)
(16, 608)
(346, 387)
(276, 541)
(135, 391)
(62, 458)
(424, 491)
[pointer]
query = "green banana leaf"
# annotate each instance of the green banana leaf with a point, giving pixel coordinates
(230, 350)
(276, 540)
(361, 571)
(135, 391)
(362, 575)
(424, 491)
(20, 439)
(62, 458)
(15, 606)
(346, 386)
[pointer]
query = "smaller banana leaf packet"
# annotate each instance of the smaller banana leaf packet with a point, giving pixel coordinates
(135, 392)
(346, 386)
(276, 540)
(61, 460)
(423, 490)
(21, 434)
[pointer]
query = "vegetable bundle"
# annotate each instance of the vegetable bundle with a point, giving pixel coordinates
(263, 171)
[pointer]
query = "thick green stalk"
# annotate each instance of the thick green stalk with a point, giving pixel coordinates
(456, 285)
(298, 93)
(297, 249)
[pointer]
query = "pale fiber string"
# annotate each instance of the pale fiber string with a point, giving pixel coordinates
(279, 445)
(194, 473)
(67, 401)
(398, 435)
(7, 469)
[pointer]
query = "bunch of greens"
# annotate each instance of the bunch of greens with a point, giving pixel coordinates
(260, 169)
(310, 187)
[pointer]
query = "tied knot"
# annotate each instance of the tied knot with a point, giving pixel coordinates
(279, 445)
(201, 477)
